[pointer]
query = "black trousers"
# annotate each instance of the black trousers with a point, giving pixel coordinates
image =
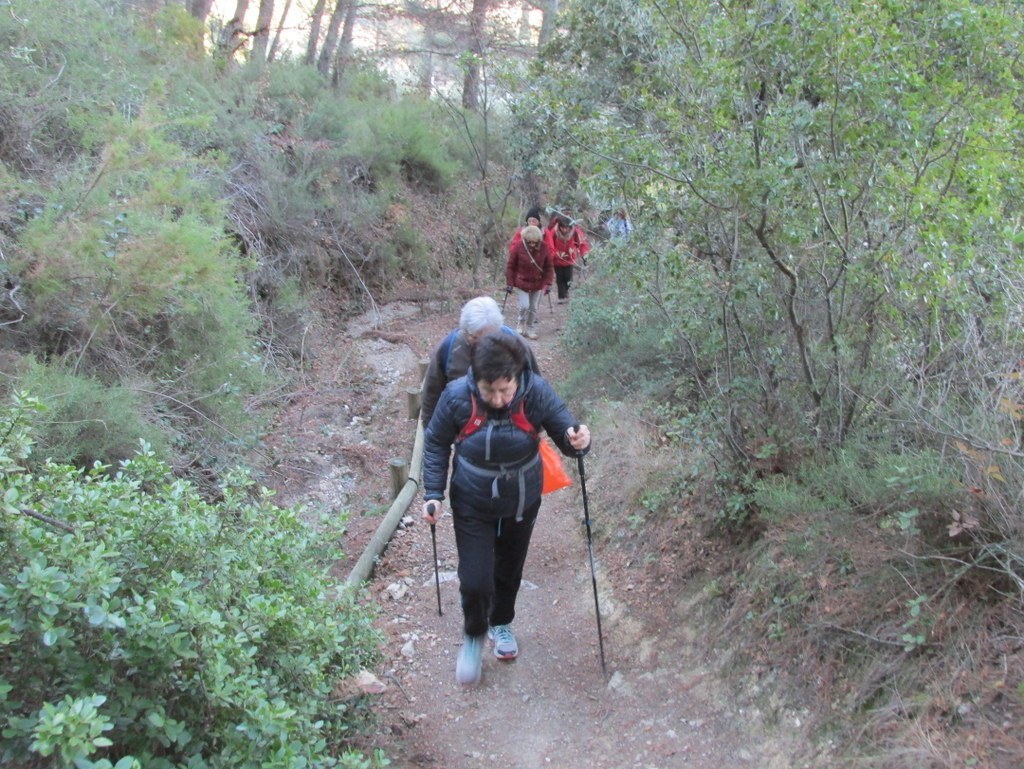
(491, 558)
(563, 279)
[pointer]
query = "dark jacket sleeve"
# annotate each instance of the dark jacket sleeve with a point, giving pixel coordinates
(433, 383)
(438, 438)
(547, 409)
(512, 263)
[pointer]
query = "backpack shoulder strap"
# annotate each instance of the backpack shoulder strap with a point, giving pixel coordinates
(519, 419)
(478, 416)
(447, 344)
(476, 419)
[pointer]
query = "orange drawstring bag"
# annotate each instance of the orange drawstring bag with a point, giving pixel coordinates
(555, 477)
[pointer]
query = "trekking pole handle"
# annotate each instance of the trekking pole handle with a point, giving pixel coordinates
(431, 507)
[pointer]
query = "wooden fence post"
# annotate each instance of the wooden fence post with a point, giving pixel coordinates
(413, 401)
(399, 475)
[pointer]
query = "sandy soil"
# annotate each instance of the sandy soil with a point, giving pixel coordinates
(657, 706)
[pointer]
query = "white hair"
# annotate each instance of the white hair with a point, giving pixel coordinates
(479, 314)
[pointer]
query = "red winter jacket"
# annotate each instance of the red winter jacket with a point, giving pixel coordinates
(567, 251)
(526, 269)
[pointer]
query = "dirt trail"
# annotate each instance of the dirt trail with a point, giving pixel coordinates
(659, 707)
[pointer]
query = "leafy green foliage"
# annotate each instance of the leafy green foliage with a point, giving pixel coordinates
(160, 212)
(140, 622)
(824, 196)
(820, 207)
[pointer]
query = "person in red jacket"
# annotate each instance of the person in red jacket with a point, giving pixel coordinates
(529, 269)
(568, 246)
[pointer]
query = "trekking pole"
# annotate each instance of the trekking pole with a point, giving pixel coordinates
(437, 578)
(508, 290)
(590, 550)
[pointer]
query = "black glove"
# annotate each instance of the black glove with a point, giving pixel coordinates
(509, 289)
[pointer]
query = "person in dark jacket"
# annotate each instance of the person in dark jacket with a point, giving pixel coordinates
(491, 417)
(531, 270)
(480, 316)
(532, 219)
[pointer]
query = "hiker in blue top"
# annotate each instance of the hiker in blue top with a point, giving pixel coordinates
(619, 226)
(479, 317)
(492, 417)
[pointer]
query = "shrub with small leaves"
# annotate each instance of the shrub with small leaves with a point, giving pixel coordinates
(140, 623)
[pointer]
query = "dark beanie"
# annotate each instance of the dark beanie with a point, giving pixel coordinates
(534, 213)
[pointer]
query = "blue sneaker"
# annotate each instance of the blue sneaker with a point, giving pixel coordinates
(467, 669)
(505, 646)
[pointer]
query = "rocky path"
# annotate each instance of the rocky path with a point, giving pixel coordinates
(658, 707)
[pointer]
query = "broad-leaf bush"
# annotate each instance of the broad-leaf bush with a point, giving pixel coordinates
(137, 619)
(827, 223)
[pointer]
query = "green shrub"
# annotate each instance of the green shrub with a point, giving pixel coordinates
(138, 621)
(404, 141)
(903, 489)
(86, 421)
(619, 343)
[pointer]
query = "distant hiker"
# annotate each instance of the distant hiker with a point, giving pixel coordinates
(532, 219)
(491, 417)
(479, 317)
(530, 269)
(619, 226)
(569, 247)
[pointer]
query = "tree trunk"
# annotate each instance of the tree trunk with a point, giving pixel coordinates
(231, 35)
(477, 46)
(549, 9)
(272, 53)
(323, 63)
(426, 75)
(345, 48)
(316, 16)
(261, 35)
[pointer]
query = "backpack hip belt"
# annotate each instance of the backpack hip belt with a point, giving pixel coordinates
(505, 472)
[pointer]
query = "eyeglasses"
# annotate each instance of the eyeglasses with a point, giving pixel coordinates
(533, 242)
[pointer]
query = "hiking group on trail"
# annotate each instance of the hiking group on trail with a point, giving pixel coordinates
(541, 255)
(483, 426)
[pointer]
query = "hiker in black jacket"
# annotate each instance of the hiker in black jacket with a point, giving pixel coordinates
(479, 317)
(492, 417)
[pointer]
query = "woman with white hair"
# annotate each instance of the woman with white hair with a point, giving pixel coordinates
(531, 270)
(480, 316)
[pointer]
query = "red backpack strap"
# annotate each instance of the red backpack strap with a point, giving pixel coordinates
(476, 419)
(519, 419)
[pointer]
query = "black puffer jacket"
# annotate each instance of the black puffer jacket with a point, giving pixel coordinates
(496, 468)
